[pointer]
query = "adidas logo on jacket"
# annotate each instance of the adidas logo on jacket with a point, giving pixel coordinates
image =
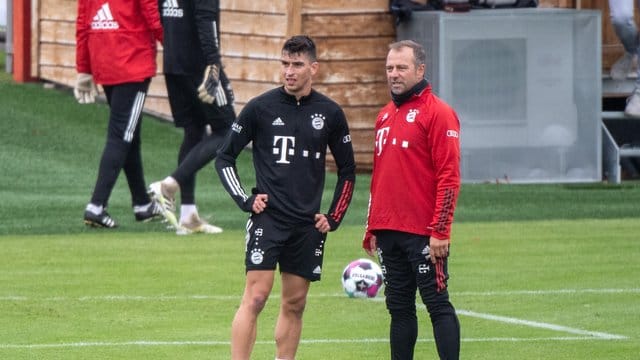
(104, 19)
(170, 8)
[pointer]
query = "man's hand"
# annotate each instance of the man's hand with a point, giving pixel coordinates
(260, 203)
(369, 243)
(211, 90)
(438, 248)
(322, 224)
(85, 89)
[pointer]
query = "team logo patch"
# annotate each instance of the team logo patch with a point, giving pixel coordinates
(411, 115)
(384, 117)
(236, 127)
(423, 268)
(452, 133)
(257, 256)
(317, 121)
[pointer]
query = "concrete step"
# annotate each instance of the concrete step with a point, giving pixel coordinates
(617, 115)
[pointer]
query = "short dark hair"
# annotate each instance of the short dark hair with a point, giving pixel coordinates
(419, 54)
(301, 44)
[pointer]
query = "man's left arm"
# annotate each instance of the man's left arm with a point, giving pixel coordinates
(342, 150)
(207, 16)
(445, 147)
(151, 15)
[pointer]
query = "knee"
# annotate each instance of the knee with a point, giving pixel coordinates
(194, 132)
(256, 303)
(440, 308)
(402, 312)
(294, 306)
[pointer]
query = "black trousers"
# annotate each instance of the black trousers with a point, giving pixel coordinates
(122, 149)
(198, 148)
(407, 268)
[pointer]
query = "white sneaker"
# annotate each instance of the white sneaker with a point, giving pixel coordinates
(164, 193)
(196, 225)
(621, 68)
(633, 105)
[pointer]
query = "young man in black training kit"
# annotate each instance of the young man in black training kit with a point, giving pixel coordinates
(191, 49)
(290, 127)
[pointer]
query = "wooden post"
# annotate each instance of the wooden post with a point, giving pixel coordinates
(22, 40)
(294, 17)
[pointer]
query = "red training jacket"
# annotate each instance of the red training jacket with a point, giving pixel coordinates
(416, 167)
(115, 39)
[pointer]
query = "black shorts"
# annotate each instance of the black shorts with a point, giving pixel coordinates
(298, 249)
(406, 266)
(186, 107)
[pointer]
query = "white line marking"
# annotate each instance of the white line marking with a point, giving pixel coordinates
(311, 295)
(546, 292)
(541, 325)
(259, 342)
(588, 334)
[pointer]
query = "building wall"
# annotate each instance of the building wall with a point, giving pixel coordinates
(351, 36)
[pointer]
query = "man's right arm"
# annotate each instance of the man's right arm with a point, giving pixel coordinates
(237, 139)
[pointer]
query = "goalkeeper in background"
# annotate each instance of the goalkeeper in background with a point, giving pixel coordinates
(200, 97)
(116, 48)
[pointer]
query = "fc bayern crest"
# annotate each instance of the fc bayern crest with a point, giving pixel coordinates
(317, 121)
(411, 115)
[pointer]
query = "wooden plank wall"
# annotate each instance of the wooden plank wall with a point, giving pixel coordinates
(351, 36)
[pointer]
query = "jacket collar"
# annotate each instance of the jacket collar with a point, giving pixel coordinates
(406, 96)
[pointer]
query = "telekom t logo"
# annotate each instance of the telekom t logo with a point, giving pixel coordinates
(381, 139)
(283, 146)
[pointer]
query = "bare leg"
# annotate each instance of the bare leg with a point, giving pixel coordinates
(289, 325)
(244, 327)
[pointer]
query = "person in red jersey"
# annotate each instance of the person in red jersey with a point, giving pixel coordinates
(116, 48)
(414, 189)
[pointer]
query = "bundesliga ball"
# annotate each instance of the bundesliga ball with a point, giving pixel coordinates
(362, 278)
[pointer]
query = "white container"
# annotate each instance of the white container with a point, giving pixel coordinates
(527, 86)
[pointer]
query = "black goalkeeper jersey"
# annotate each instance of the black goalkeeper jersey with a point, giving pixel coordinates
(191, 35)
(290, 140)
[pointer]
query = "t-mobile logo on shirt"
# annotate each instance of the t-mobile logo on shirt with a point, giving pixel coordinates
(381, 139)
(283, 146)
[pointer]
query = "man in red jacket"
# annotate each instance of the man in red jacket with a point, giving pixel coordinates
(116, 48)
(414, 188)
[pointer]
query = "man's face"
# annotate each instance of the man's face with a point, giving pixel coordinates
(297, 73)
(402, 73)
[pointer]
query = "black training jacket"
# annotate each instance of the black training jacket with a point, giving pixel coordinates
(191, 35)
(290, 140)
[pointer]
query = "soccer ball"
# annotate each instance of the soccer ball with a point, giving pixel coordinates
(362, 278)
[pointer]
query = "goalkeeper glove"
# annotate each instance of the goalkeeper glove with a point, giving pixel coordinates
(85, 90)
(211, 89)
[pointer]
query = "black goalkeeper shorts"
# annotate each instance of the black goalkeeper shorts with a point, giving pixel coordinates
(186, 107)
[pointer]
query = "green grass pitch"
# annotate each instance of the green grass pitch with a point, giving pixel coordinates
(537, 271)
